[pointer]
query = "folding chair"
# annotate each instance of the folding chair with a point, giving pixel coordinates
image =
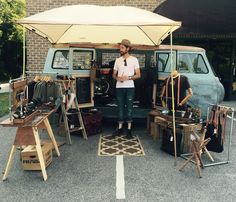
(198, 145)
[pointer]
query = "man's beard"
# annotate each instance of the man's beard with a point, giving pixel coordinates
(123, 53)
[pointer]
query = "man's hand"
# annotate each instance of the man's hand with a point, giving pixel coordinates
(122, 78)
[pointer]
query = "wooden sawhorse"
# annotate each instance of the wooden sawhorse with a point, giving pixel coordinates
(27, 134)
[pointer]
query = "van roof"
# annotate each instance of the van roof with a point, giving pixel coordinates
(181, 48)
(136, 47)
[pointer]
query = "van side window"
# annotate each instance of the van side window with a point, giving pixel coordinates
(191, 63)
(163, 62)
(61, 59)
(82, 59)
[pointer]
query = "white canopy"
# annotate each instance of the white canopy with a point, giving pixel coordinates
(100, 24)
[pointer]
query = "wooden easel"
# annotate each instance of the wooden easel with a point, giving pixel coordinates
(27, 134)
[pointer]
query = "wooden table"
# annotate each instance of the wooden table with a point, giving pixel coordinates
(157, 122)
(27, 134)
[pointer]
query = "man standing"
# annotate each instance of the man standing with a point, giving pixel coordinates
(126, 70)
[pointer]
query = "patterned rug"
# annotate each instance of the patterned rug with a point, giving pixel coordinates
(120, 145)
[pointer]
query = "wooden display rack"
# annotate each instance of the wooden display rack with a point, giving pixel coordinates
(27, 134)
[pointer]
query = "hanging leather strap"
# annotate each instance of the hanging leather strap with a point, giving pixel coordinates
(223, 124)
(210, 117)
(178, 89)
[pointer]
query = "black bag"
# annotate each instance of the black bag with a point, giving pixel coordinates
(215, 143)
(73, 120)
(168, 142)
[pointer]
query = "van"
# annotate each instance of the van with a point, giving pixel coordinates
(78, 60)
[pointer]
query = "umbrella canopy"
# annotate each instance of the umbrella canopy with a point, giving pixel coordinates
(100, 24)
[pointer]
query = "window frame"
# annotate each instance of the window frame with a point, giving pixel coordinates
(54, 55)
(174, 58)
(83, 51)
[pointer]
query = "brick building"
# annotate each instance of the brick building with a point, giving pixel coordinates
(37, 46)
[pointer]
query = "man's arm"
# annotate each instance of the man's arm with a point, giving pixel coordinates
(115, 76)
(136, 75)
(190, 94)
(161, 96)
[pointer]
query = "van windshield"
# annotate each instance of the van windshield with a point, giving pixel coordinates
(191, 63)
(186, 62)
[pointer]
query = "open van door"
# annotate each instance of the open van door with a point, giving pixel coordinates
(76, 62)
(81, 65)
(207, 88)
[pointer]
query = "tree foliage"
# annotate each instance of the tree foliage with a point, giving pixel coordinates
(11, 36)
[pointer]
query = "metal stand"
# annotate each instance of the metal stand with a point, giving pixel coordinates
(231, 111)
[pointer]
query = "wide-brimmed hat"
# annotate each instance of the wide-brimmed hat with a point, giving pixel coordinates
(125, 42)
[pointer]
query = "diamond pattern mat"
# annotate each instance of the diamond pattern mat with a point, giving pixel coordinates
(120, 145)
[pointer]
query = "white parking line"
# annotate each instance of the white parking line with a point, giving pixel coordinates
(120, 178)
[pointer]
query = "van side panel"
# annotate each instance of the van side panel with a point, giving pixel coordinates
(206, 87)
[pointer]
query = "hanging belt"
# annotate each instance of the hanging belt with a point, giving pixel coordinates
(223, 124)
(66, 88)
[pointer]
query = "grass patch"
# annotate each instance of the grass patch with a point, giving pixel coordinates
(4, 104)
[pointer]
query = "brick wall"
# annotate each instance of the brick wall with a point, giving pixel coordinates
(37, 46)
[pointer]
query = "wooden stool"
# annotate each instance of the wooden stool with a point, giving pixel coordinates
(198, 144)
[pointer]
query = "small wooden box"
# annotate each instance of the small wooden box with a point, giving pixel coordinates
(30, 159)
(26, 119)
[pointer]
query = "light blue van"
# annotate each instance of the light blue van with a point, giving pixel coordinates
(77, 60)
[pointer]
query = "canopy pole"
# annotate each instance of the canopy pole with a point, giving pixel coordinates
(23, 66)
(172, 92)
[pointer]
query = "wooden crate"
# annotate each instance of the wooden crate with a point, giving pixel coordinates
(30, 159)
(151, 116)
(156, 131)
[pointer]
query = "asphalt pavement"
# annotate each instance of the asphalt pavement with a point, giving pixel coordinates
(79, 174)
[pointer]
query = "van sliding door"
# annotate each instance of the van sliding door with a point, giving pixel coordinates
(82, 61)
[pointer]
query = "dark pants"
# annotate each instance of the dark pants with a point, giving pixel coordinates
(125, 97)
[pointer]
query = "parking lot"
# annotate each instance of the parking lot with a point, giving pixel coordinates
(79, 174)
